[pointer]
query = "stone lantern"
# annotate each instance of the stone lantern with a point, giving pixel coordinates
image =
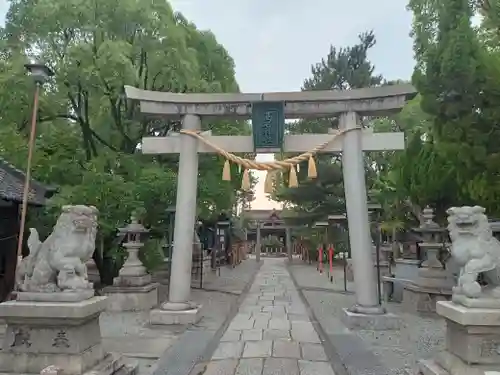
(132, 289)
(433, 282)
(431, 245)
(133, 267)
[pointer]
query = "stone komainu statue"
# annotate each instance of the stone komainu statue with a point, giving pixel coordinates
(58, 263)
(476, 251)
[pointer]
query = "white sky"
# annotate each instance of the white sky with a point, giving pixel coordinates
(275, 42)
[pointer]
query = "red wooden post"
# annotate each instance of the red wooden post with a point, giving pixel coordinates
(330, 258)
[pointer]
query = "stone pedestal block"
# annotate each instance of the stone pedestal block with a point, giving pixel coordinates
(423, 299)
(438, 278)
(132, 298)
(472, 341)
(406, 269)
(432, 285)
(168, 317)
(375, 322)
(61, 334)
(132, 290)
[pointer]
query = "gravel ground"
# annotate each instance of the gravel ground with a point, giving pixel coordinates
(398, 351)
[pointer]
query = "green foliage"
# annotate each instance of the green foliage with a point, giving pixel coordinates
(88, 134)
(457, 75)
(343, 69)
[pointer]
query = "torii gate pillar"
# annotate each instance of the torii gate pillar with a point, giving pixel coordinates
(178, 309)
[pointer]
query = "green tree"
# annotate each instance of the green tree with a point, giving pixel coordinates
(88, 132)
(343, 69)
(458, 78)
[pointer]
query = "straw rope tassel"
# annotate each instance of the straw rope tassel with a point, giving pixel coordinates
(226, 171)
(292, 180)
(311, 168)
(274, 166)
(269, 182)
(245, 182)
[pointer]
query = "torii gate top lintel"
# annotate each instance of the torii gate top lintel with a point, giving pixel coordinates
(372, 101)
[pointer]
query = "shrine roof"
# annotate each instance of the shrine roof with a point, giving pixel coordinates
(12, 186)
(263, 215)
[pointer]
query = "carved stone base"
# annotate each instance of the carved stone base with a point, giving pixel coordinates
(406, 269)
(448, 364)
(419, 299)
(76, 296)
(375, 322)
(168, 317)
(472, 334)
(132, 298)
(472, 342)
(436, 278)
(64, 334)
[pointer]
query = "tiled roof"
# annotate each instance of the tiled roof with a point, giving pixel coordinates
(12, 185)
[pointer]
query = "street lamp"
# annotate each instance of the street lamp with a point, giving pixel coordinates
(221, 228)
(375, 211)
(40, 74)
(170, 211)
(341, 220)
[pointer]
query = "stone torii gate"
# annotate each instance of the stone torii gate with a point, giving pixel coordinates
(273, 108)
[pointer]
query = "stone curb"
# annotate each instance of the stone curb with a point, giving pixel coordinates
(333, 357)
(201, 344)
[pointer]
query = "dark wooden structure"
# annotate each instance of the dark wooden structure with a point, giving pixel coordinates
(11, 196)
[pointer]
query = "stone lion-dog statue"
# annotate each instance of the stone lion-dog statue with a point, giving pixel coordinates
(476, 252)
(58, 263)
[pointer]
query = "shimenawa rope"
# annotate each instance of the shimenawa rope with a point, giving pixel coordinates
(270, 166)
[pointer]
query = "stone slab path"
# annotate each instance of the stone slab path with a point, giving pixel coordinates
(271, 334)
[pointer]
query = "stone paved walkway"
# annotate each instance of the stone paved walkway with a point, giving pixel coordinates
(272, 333)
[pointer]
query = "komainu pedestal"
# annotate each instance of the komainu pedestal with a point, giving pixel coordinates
(472, 341)
(64, 334)
(55, 319)
(473, 315)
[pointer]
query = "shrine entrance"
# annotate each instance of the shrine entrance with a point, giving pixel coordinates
(268, 112)
(268, 233)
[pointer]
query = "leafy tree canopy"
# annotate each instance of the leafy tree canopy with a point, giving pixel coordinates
(89, 134)
(343, 69)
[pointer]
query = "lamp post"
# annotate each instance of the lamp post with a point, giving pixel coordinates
(170, 211)
(40, 74)
(375, 209)
(220, 231)
(340, 220)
